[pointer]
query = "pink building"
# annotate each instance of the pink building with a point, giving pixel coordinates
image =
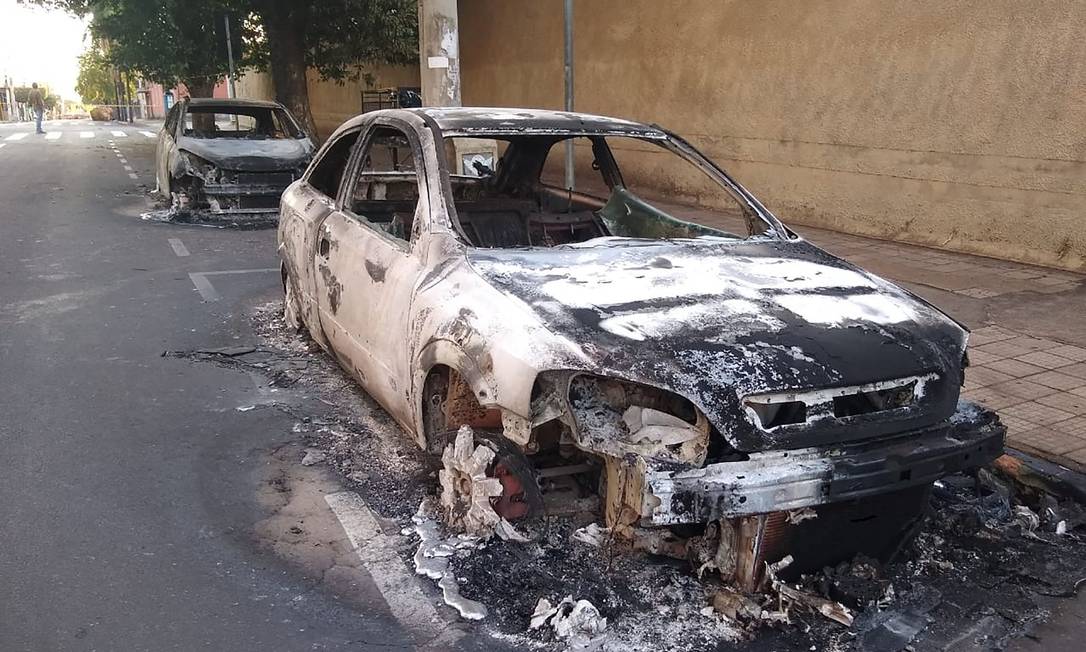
(156, 100)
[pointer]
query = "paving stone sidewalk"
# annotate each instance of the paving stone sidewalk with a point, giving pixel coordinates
(1028, 343)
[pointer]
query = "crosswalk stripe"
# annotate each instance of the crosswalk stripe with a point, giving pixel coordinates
(86, 134)
(18, 136)
(53, 135)
(148, 134)
(119, 134)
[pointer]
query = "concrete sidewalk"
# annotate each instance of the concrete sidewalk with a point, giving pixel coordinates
(1028, 345)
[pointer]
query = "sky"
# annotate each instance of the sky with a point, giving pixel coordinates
(40, 46)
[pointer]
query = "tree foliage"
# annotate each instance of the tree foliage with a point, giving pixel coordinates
(183, 40)
(95, 83)
(164, 41)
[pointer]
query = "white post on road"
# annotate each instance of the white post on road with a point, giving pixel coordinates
(439, 52)
(230, 58)
(568, 20)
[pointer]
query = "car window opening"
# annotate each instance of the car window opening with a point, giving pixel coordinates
(510, 192)
(386, 190)
(249, 123)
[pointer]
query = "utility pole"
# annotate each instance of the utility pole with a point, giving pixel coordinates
(439, 52)
(569, 85)
(230, 57)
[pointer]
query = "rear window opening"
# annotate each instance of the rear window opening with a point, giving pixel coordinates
(513, 192)
(248, 122)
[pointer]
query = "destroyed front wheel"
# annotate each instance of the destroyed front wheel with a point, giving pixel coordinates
(484, 479)
(292, 314)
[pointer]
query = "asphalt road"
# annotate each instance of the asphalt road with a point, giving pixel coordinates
(130, 499)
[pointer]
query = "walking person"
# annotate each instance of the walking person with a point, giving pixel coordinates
(38, 104)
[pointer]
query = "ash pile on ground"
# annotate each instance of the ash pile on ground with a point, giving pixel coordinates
(162, 211)
(982, 569)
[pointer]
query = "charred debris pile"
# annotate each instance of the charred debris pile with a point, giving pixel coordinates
(989, 553)
(978, 563)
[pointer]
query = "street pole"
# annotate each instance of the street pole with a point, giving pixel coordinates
(439, 52)
(230, 57)
(569, 86)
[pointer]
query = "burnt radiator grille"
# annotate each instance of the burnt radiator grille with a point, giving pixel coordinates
(283, 179)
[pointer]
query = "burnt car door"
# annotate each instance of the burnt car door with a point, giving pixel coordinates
(367, 265)
(167, 141)
(303, 210)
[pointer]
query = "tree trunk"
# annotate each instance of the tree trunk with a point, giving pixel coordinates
(286, 42)
(199, 86)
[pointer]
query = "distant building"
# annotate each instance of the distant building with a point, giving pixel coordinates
(155, 101)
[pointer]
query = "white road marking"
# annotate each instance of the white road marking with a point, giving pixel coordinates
(243, 271)
(204, 287)
(396, 583)
(53, 135)
(178, 247)
(208, 291)
(128, 168)
(86, 134)
(18, 136)
(133, 175)
(148, 134)
(3, 144)
(119, 134)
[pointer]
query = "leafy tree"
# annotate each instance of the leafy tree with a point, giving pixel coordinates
(165, 41)
(334, 37)
(95, 83)
(183, 40)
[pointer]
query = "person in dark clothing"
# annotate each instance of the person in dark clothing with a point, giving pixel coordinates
(37, 102)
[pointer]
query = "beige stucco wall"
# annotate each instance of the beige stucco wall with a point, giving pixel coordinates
(952, 123)
(332, 103)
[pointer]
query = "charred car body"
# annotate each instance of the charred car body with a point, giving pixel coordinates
(723, 388)
(229, 156)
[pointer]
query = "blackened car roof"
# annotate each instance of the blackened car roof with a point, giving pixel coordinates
(493, 120)
(223, 101)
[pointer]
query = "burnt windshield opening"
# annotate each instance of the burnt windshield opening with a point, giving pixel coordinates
(247, 122)
(511, 191)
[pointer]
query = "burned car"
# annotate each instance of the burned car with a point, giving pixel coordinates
(630, 329)
(229, 156)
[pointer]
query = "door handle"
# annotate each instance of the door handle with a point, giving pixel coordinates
(324, 247)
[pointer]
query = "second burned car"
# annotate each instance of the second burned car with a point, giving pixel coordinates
(637, 332)
(229, 157)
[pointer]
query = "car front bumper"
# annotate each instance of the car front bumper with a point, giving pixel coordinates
(787, 480)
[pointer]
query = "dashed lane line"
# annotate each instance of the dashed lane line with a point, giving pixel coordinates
(178, 247)
(133, 175)
(207, 290)
(3, 144)
(204, 287)
(398, 586)
(19, 136)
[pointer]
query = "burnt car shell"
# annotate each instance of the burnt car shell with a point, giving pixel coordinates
(230, 174)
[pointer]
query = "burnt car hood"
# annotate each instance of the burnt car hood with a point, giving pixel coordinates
(718, 321)
(250, 155)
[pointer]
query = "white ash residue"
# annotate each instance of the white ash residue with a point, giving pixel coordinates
(433, 555)
(578, 623)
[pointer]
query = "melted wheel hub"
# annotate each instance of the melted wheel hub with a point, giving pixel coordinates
(512, 504)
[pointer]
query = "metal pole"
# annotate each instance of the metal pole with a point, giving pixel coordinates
(230, 57)
(126, 78)
(569, 86)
